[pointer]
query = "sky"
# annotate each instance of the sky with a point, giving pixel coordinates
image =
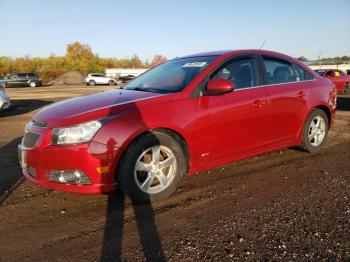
(175, 27)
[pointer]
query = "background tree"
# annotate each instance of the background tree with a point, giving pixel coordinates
(302, 59)
(157, 60)
(79, 57)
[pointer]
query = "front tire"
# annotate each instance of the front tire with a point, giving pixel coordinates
(315, 131)
(151, 168)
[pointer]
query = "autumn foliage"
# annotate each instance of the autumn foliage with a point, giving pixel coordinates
(78, 57)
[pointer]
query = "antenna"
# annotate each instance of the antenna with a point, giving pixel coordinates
(262, 45)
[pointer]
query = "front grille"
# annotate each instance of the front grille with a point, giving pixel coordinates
(29, 140)
(38, 123)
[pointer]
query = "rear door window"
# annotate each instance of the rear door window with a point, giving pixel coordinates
(280, 71)
(301, 74)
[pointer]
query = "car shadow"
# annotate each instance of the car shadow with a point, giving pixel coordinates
(343, 103)
(144, 214)
(11, 175)
(23, 106)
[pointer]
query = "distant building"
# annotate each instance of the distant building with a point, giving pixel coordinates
(118, 72)
(342, 67)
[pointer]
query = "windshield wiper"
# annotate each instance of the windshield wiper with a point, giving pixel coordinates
(145, 89)
(153, 90)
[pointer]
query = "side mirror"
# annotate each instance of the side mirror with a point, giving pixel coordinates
(219, 86)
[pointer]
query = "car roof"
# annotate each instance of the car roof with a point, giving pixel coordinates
(237, 51)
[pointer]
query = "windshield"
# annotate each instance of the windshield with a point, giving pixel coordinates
(171, 76)
(319, 71)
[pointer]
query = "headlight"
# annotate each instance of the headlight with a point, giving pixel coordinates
(75, 134)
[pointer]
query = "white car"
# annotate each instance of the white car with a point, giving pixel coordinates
(99, 79)
(4, 98)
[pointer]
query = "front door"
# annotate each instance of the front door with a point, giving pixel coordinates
(233, 123)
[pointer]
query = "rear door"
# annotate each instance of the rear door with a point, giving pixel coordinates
(234, 123)
(288, 92)
(23, 79)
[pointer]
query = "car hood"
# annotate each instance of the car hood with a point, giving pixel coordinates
(92, 106)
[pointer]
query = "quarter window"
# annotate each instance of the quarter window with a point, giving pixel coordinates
(242, 73)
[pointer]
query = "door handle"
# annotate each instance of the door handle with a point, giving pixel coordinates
(301, 94)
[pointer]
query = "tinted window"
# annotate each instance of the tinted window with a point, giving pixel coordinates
(12, 77)
(241, 72)
(279, 71)
(330, 74)
(320, 71)
(301, 74)
(33, 76)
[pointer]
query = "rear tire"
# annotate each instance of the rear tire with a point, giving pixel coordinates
(111, 83)
(145, 175)
(315, 131)
(32, 84)
(92, 83)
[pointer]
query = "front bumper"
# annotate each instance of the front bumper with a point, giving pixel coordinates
(95, 160)
(4, 102)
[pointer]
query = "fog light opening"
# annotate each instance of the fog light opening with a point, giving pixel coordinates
(69, 177)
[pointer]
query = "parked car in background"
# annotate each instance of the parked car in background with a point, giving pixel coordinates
(337, 77)
(22, 79)
(126, 79)
(184, 116)
(99, 79)
(4, 98)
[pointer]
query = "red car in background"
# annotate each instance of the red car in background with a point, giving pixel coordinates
(184, 116)
(337, 77)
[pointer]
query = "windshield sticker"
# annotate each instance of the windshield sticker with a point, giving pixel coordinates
(195, 64)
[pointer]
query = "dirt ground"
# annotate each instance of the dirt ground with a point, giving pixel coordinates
(286, 205)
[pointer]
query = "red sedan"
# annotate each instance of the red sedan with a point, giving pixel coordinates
(337, 77)
(184, 116)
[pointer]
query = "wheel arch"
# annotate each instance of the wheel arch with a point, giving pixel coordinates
(318, 106)
(179, 138)
(327, 111)
(168, 131)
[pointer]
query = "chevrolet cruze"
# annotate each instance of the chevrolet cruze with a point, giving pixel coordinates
(184, 116)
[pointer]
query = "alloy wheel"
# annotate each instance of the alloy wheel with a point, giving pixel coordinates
(155, 169)
(317, 131)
